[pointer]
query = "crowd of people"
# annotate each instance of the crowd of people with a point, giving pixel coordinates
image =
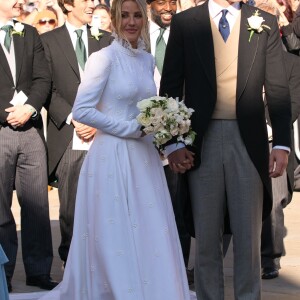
(72, 73)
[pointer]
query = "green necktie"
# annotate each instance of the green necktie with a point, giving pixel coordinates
(160, 50)
(80, 49)
(7, 39)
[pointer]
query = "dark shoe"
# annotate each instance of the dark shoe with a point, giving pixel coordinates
(190, 276)
(44, 282)
(9, 286)
(269, 273)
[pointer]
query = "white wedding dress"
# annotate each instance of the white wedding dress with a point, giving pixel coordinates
(125, 244)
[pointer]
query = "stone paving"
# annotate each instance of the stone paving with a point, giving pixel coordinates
(285, 287)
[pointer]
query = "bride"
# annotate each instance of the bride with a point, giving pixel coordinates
(125, 244)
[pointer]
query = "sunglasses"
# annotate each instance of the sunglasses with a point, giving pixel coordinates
(50, 22)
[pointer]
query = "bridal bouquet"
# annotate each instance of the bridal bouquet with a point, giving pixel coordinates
(166, 118)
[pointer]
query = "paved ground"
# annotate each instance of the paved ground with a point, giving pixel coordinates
(286, 287)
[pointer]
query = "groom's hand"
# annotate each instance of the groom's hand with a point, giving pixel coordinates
(278, 162)
(181, 160)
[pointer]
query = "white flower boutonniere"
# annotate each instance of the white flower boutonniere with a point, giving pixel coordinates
(255, 24)
(18, 29)
(96, 33)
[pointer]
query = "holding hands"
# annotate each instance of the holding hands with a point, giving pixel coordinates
(181, 160)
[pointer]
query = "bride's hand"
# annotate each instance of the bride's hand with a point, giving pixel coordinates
(181, 160)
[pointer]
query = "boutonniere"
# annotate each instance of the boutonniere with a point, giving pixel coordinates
(255, 24)
(18, 29)
(96, 34)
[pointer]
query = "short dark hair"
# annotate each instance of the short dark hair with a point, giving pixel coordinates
(62, 3)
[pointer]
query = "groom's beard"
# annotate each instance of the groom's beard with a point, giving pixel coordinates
(157, 18)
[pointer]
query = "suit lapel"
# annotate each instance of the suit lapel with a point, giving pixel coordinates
(247, 51)
(204, 42)
(64, 40)
(5, 66)
(19, 45)
(93, 44)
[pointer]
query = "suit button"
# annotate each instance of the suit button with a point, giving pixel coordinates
(13, 88)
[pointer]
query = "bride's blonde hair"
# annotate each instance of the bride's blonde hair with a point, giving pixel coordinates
(116, 17)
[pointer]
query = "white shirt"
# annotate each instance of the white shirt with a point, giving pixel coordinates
(215, 12)
(154, 33)
(3, 33)
(73, 35)
(10, 56)
(71, 29)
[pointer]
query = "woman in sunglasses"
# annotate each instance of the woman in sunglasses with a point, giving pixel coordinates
(45, 21)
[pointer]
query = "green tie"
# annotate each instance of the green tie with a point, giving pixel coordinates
(80, 49)
(7, 39)
(160, 50)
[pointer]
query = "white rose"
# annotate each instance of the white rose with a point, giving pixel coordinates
(19, 27)
(155, 120)
(174, 131)
(172, 104)
(148, 129)
(188, 140)
(157, 112)
(255, 22)
(183, 129)
(143, 120)
(142, 105)
(94, 31)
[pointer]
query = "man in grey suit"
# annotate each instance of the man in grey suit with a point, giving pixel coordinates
(223, 61)
(66, 65)
(24, 87)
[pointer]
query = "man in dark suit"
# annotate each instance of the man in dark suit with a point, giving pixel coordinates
(161, 13)
(273, 230)
(65, 160)
(24, 78)
(223, 60)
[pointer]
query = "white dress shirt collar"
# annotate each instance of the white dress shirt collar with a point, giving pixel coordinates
(215, 8)
(2, 32)
(71, 29)
(155, 27)
(154, 33)
(215, 12)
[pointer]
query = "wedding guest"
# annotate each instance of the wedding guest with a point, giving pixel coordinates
(221, 68)
(125, 243)
(24, 87)
(65, 62)
(101, 17)
(161, 13)
(273, 230)
(45, 21)
(41, 5)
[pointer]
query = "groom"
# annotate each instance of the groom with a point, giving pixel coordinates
(221, 69)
